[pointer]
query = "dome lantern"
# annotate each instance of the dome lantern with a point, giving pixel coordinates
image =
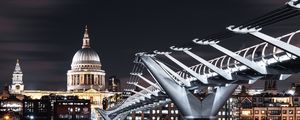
(86, 39)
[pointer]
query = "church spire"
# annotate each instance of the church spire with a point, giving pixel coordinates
(17, 67)
(17, 86)
(86, 39)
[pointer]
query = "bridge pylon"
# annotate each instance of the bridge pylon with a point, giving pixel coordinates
(190, 106)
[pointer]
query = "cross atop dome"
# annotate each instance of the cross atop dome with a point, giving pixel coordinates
(86, 39)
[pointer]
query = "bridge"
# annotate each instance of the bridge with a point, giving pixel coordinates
(274, 58)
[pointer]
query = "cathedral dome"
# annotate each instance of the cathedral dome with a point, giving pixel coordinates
(86, 72)
(86, 56)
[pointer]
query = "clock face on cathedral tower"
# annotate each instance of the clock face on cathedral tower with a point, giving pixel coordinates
(17, 87)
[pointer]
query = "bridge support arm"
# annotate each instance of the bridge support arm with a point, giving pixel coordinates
(278, 43)
(241, 59)
(149, 82)
(211, 66)
(193, 73)
(245, 61)
(143, 88)
(141, 94)
(173, 73)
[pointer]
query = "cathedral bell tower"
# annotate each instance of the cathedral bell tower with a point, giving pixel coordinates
(17, 86)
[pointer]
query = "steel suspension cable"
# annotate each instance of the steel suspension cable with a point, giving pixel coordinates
(264, 17)
(274, 18)
(281, 19)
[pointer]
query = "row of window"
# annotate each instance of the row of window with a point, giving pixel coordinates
(87, 66)
(165, 111)
(153, 118)
(76, 109)
(277, 112)
(276, 118)
(30, 106)
(70, 103)
(67, 116)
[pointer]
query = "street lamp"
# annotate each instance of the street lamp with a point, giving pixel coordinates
(6, 117)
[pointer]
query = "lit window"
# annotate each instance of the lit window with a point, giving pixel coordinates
(70, 109)
(256, 118)
(138, 118)
(147, 112)
(77, 109)
(246, 112)
(223, 113)
(172, 104)
(283, 111)
(164, 111)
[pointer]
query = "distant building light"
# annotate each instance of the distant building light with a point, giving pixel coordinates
(31, 117)
(291, 92)
(245, 112)
(6, 117)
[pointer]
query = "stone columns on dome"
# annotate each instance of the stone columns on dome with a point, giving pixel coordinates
(84, 81)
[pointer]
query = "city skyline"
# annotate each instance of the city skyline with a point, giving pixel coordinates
(45, 35)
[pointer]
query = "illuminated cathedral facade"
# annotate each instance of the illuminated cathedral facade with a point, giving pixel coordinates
(86, 72)
(85, 79)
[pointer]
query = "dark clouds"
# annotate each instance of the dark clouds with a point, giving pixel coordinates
(45, 34)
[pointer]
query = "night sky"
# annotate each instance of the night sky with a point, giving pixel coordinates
(45, 34)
